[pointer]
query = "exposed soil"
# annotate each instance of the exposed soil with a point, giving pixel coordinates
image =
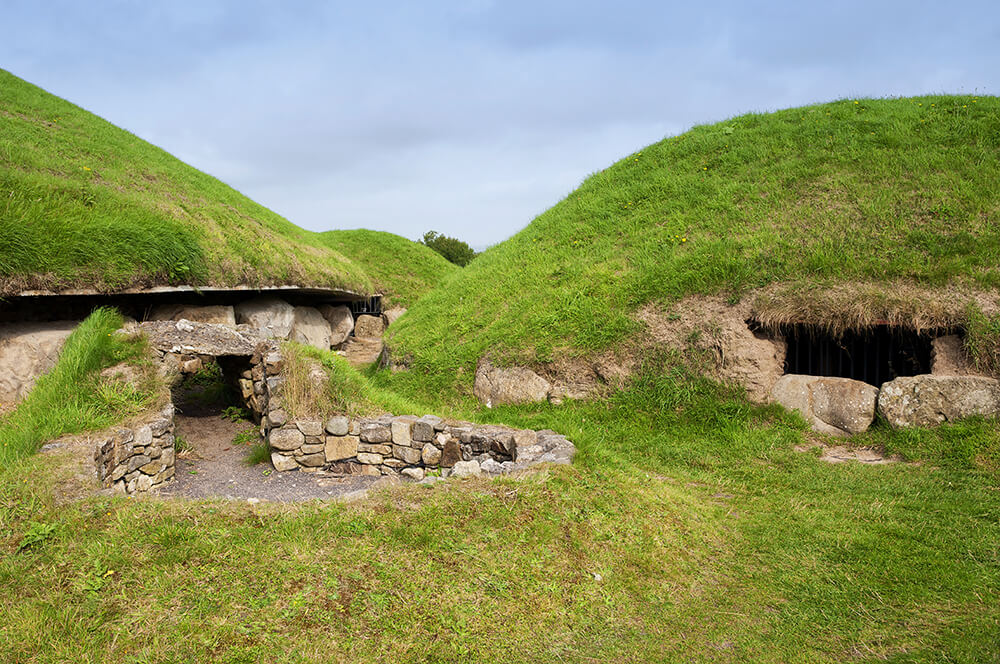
(842, 453)
(215, 467)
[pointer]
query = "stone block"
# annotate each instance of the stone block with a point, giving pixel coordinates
(310, 427)
(384, 449)
(376, 432)
(451, 453)
(423, 431)
(430, 455)
(407, 454)
(394, 463)
(313, 448)
(401, 430)
(370, 458)
(466, 469)
(283, 463)
(341, 447)
(311, 328)
(835, 406)
(920, 401)
(314, 460)
(338, 426)
(341, 322)
(137, 462)
(286, 439)
(277, 418)
(366, 326)
(152, 468)
(416, 474)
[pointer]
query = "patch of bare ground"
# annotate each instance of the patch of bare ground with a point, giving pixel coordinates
(842, 453)
(215, 467)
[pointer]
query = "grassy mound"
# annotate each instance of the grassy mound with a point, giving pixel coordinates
(402, 269)
(84, 204)
(898, 195)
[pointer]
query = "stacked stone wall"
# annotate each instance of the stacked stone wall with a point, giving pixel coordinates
(138, 458)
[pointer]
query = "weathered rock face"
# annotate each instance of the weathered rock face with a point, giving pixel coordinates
(273, 317)
(948, 358)
(360, 352)
(369, 327)
(391, 315)
(310, 327)
(217, 314)
(836, 406)
(512, 385)
(27, 350)
(928, 400)
(341, 322)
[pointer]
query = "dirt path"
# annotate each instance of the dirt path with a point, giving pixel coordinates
(216, 468)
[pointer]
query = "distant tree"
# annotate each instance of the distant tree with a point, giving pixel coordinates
(454, 250)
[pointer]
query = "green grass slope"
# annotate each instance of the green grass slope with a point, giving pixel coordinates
(884, 192)
(84, 204)
(402, 269)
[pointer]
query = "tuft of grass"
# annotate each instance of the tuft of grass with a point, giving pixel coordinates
(982, 339)
(71, 398)
(321, 383)
(259, 453)
(887, 193)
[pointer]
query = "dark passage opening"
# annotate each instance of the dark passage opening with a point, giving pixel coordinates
(875, 356)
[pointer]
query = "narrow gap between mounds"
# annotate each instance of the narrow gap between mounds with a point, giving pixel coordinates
(874, 355)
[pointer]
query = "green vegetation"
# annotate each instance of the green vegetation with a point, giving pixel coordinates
(689, 528)
(892, 193)
(73, 398)
(339, 388)
(84, 204)
(453, 249)
(401, 269)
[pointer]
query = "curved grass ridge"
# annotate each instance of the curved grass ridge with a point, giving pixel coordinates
(84, 204)
(885, 192)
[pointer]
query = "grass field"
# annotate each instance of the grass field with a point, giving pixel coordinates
(687, 530)
(84, 204)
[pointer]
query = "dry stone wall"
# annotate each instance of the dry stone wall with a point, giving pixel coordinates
(138, 458)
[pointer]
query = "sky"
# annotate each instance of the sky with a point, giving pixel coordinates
(468, 118)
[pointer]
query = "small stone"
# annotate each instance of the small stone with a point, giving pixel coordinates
(430, 455)
(286, 439)
(451, 453)
(466, 469)
(370, 470)
(312, 460)
(167, 457)
(137, 462)
(310, 427)
(143, 483)
(277, 418)
(394, 463)
(401, 430)
(407, 454)
(369, 458)
(381, 448)
(375, 432)
(130, 486)
(492, 467)
(423, 431)
(341, 447)
(313, 448)
(144, 435)
(413, 473)
(282, 462)
(337, 426)
(152, 468)
(119, 472)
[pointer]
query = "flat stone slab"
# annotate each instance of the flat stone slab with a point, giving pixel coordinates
(200, 338)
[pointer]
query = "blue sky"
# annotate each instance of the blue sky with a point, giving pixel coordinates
(468, 118)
